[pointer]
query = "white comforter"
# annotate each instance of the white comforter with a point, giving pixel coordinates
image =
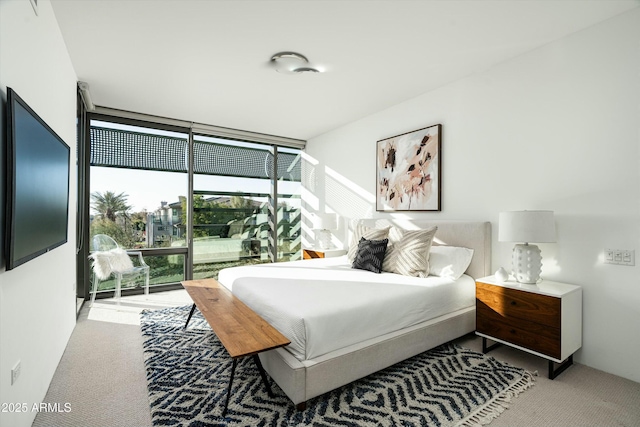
(322, 305)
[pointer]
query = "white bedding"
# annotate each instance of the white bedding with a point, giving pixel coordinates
(322, 305)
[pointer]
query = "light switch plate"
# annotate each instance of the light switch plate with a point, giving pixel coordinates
(620, 256)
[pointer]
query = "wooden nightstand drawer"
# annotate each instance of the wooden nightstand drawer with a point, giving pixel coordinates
(530, 307)
(533, 336)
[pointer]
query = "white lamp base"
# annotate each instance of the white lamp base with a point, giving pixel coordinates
(324, 239)
(527, 263)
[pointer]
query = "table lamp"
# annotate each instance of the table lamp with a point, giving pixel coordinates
(323, 223)
(527, 227)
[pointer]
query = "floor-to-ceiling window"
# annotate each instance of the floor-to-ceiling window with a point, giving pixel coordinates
(233, 183)
(230, 204)
(192, 203)
(138, 175)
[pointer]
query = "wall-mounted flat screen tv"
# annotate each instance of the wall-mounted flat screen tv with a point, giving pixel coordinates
(37, 185)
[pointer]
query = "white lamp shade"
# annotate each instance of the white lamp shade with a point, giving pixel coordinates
(527, 227)
(324, 221)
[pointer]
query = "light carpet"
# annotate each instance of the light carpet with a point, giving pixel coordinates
(188, 374)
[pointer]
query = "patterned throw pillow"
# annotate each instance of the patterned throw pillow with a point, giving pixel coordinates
(368, 233)
(370, 254)
(408, 251)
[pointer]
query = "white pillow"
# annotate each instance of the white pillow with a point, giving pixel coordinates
(449, 261)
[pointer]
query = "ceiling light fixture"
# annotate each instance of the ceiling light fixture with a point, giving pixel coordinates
(291, 63)
(306, 70)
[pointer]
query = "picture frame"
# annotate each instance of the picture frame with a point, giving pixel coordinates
(409, 171)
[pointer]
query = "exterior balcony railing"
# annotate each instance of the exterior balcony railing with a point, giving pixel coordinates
(241, 241)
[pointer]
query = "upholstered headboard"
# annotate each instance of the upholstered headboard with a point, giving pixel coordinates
(469, 234)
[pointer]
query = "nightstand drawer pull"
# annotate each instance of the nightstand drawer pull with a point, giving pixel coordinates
(513, 331)
(513, 303)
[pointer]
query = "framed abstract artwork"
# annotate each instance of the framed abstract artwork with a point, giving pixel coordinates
(408, 171)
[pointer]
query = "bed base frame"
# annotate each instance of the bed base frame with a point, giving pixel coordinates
(302, 381)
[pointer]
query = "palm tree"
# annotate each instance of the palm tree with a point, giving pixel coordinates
(108, 204)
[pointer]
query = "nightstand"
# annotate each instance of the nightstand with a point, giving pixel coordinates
(322, 253)
(543, 319)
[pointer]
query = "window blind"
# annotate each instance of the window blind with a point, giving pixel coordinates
(136, 150)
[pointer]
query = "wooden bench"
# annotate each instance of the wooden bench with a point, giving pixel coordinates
(241, 330)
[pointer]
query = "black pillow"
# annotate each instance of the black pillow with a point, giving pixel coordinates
(370, 254)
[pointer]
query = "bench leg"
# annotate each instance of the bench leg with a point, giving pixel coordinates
(193, 308)
(233, 371)
(263, 374)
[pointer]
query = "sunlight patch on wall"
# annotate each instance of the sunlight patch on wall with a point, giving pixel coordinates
(311, 200)
(309, 178)
(346, 197)
(403, 221)
(550, 267)
(308, 233)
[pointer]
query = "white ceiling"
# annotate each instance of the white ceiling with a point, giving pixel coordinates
(207, 61)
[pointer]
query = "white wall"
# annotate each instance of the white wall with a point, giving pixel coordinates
(37, 299)
(556, 128)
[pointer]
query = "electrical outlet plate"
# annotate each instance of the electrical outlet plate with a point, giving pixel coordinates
(619, 256)
(15, 372)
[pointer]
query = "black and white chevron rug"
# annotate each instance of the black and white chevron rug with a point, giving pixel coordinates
(188, 373)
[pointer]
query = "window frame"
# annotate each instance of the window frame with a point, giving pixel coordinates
(192, 130)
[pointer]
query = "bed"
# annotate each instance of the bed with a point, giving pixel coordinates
(345, 323)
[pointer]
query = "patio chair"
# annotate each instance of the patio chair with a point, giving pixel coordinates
(105, 250)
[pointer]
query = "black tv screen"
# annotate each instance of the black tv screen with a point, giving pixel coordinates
(37, 185)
